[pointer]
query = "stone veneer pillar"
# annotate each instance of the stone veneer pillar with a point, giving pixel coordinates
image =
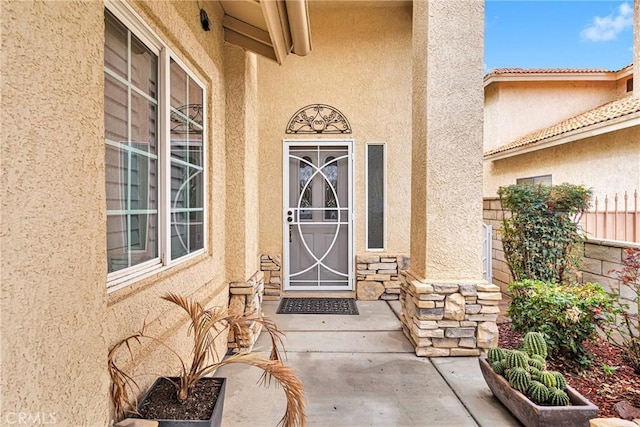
(448, 310)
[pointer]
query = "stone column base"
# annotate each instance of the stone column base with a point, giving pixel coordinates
(271, 266)
(246, 298)
(449, 318)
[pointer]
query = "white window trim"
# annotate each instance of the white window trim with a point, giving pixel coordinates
(384, 201)
(123, 278)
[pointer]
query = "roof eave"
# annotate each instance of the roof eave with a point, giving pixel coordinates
(596, 129)
(549, 77)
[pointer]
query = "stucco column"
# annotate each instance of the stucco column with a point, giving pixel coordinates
(636, 48)
(241, 143)
(446, 185)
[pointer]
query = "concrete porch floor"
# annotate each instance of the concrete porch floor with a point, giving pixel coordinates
(362, 371)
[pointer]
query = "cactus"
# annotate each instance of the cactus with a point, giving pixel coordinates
(558, 397)
(495, 354)
(498, 367)
(519, 379)
(536, 363)
(561, 382)
(534, 343)
(541, 359)
(535, 372)
(548, 378)
(517, 359)
(538, 392)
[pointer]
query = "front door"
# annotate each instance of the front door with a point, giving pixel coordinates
(318, 219)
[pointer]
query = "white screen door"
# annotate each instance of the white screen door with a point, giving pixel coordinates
(318, 219)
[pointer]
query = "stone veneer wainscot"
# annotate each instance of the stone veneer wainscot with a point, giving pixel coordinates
(378, 276)
(443, 318)
(246, 298)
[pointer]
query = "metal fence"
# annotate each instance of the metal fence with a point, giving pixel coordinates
(614, 218)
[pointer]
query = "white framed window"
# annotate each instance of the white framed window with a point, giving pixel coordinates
(376, 184)
(535, 180)
(155, 143)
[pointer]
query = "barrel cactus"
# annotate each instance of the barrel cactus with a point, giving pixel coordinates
(548, 378)
(540, 359)
(538, 392)
(519, 379)
(517, 359)
(498, 367)
(558, 397)
(561, 381)
(534, 343)
(535, 372)
(495, 354)
(536, 363)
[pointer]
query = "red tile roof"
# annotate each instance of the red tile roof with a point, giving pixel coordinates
(606, 112)
(502, 71)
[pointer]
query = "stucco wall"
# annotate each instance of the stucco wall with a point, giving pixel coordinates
(53, 220)
(514, 109)
(636, 48)
(446, 221)
(608, 163)
(57, 319)
(361, 65)
(242, 163)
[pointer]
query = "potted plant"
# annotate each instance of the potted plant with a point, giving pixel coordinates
(185, 389)
(534, 395)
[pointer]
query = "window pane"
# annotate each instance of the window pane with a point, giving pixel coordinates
(115, 45)
(144, 123)
(116, 105)
(131, 173)
(144, 68)
(178, 83)
(117, 165)
(375, 196)
(330, 170)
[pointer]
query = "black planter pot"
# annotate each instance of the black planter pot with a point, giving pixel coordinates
(577, 414)
(216, 416)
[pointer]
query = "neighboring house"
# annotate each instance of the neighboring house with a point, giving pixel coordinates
(142, 154)
(556, 125)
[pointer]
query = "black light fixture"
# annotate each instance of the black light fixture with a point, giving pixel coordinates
(204, 19)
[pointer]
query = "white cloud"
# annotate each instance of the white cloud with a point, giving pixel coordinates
(608, 27)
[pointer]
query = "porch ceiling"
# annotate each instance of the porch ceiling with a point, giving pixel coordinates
(270, 28)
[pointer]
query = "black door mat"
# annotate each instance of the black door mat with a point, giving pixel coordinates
(318, 306)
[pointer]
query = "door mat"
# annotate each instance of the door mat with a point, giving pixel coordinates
(318, 306)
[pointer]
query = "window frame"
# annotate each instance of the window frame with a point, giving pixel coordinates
(129, 275)
(534, 178)
(384, 198)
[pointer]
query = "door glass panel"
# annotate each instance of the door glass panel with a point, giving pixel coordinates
(318, 218)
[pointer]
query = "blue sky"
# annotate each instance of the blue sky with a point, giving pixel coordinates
(558, 34)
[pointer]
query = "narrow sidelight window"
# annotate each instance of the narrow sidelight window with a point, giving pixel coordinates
(376, 196)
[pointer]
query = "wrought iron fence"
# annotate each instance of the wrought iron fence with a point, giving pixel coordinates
(614, 218)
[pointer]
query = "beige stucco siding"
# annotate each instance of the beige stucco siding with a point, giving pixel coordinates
(53, 220)
(514, 109)
(608, 163)
(57, 319)
(361, 65)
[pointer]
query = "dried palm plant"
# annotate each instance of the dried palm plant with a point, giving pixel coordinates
(205, 326)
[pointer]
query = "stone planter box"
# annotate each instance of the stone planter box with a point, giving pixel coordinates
(531, 415)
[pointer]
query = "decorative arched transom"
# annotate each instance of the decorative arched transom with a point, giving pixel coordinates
(318, 118)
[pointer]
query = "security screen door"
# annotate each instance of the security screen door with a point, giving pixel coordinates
(318, 220)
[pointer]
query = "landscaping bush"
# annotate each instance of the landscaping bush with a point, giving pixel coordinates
(539, 230)
(565, 314)
(624, 330)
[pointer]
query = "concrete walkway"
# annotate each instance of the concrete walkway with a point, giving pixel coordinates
(362, 371)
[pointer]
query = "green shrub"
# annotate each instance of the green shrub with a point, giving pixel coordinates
(539, 229)
(564, 314)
